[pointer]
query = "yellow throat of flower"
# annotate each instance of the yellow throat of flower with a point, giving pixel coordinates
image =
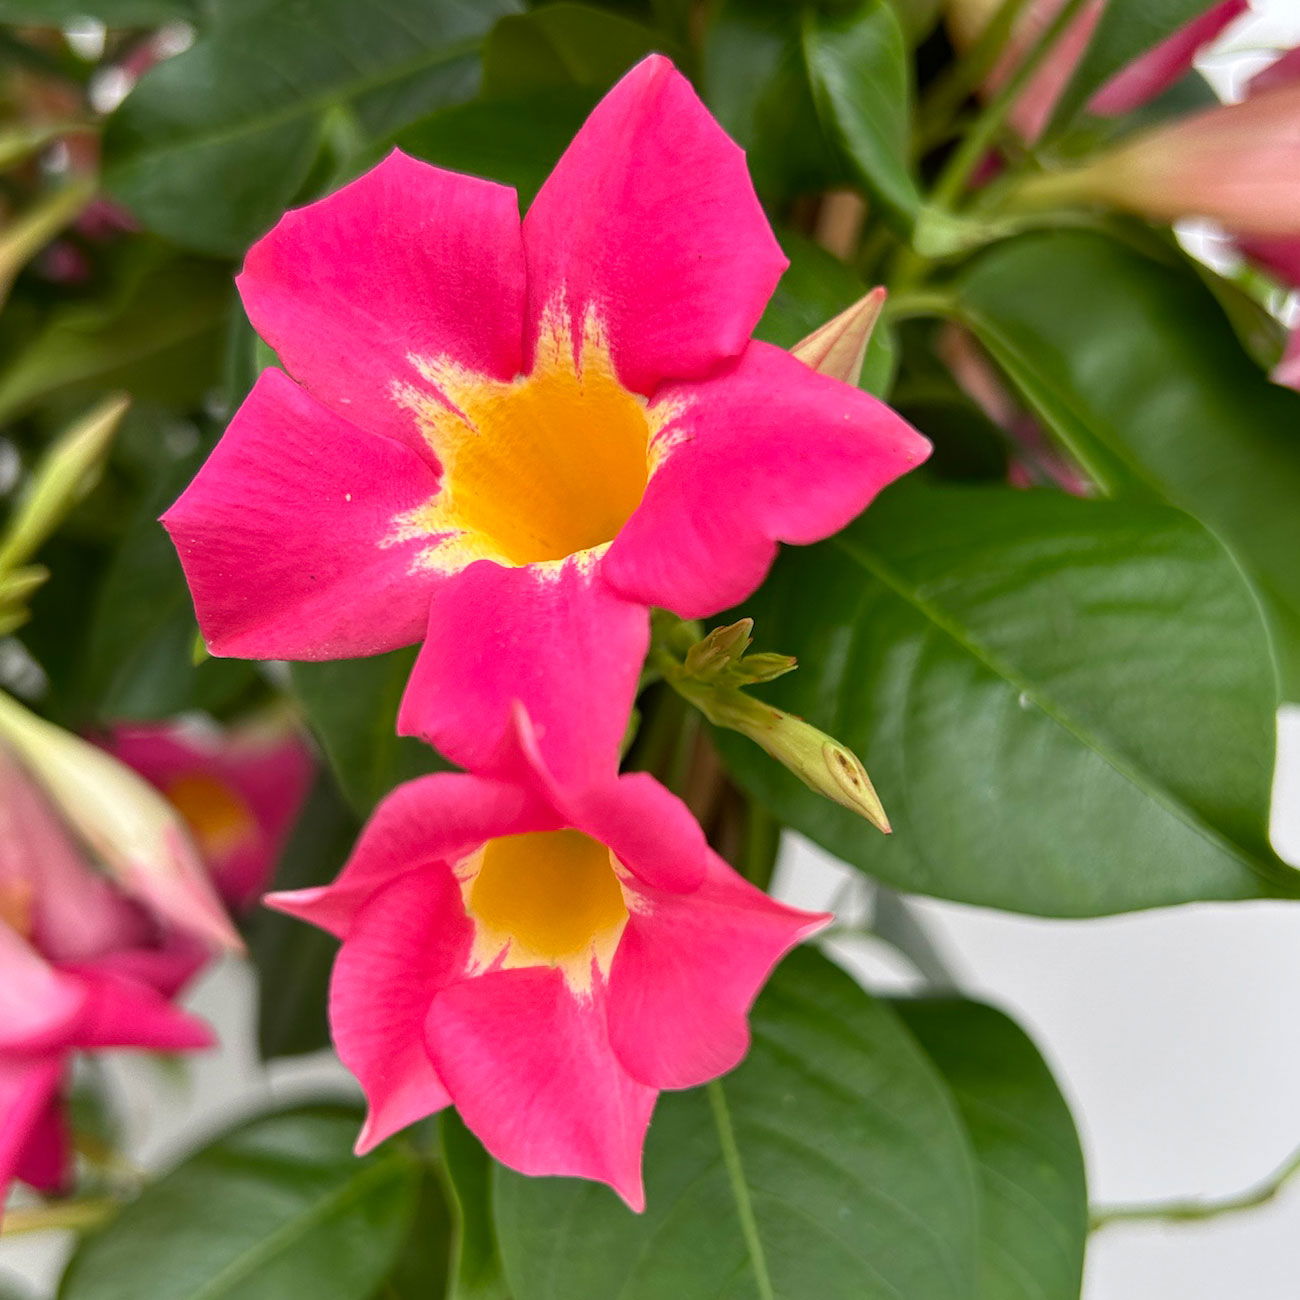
(218, 818)
(547, 898)
(549, 465)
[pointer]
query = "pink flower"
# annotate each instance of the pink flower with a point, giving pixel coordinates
(82, 967)
(546, 959)
(510, 441)
(238, 790)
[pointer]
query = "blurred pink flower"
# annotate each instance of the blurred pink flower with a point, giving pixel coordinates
(82, 967)
(509, 442)
(239, 790)
(546, 959)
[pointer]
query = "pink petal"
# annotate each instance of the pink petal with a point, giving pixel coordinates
(408, 260)
(1280, 72)
(652, 832)
(284, 534)
(167, 968)
(530, 1069)
(39, 1004)
(766, 451)
(1155, 71)
(1279, 255)
(408, 941)
(554, 639)
(687, 970)
(47, 1155)
(434, 819)
(72, 910)
(28, 1086)
(121, 1012)
(1287, 371)
(651, 219)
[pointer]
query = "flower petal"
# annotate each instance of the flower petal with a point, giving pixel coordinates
(651, 831)
(531, 1072)
(28, 1085)
(651, 220)
(47, 1154)
(433, 819)
(687, 971)
(39, 1004)
(766, 451)
(122, 1012)
(554, 639)
(407, 260)
(409, 940)
(284, 534)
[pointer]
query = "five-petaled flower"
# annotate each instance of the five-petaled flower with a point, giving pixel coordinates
(545, 957)
(511, 440)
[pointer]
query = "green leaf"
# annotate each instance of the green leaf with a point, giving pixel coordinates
(1126, 30)
(476, 1267)
(561, 45)
(422, 1268)
(1135, 368)
(831, 1163)
(351, 705)
(1066, 705)
(276, 1207)
(112, 13)
(860, 75)
(155, 332)
(817, 287)
(211, 146)
(293, 960)
(513, 141)
(1034, 1202)
(756, 83)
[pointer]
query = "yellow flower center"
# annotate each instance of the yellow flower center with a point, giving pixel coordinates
(218, 818)
(16, 899)
(548, 898)
(549, 465)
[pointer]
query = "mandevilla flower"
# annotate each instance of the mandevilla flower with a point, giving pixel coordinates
(82, 967)
(510, 441)
(239, 790)
(544, 957)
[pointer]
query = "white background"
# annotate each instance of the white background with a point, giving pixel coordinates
(1175, 1034)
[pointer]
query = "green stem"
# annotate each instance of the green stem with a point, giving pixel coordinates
(1195, 1211)
(977, 142)
(74, 1215)
(740, 1189)
(911, 303)
(949, 90)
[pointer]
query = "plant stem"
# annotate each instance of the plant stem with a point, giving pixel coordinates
(979, 139)
(740, 1189)
(1193, 1210)
(910, 303)
(949, 90)
(75, 1215)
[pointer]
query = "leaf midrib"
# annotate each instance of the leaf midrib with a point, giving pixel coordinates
(303, 108)
(1165, 798)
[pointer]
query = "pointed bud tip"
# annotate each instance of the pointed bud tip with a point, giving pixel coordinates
(839, 348)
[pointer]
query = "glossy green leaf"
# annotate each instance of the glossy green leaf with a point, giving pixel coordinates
(515, 141)
(831, 1163)
(1034, 1201)
(1126, 30)
(276, 1207)
(1134, 366)
(155, 332)
(1065, 705)
(351, 705)
(561, 45)
(112, 13)
(213, 145)
(756, 83)
(422, 1268)
(476, 1265)
(294, 960)
(861, 78)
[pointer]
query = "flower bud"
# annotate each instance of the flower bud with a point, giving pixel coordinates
(135, 834)
(839, 347)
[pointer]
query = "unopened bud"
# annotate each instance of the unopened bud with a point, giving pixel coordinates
(839, 347)
(137, 836)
